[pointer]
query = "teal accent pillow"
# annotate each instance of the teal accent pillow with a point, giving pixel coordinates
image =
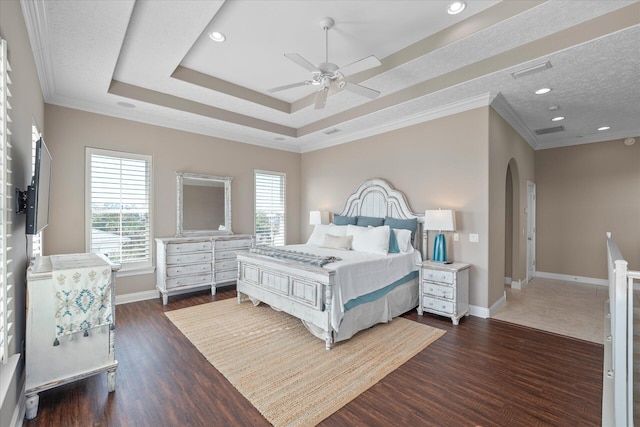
(393, 243)
(365, 221)
(344, 220)
(407, 224)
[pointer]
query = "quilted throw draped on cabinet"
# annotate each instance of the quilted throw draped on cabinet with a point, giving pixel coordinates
(82, 286)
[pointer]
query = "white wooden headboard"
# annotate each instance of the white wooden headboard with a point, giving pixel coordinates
(377, 198)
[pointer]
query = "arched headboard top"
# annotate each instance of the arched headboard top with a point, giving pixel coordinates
(376, 197)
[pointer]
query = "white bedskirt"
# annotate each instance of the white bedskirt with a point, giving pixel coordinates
(398, 301)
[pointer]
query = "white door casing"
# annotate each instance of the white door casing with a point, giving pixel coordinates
(531, 230)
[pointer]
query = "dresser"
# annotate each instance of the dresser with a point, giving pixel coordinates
(191, 263)
(81, 341)
(444, 289)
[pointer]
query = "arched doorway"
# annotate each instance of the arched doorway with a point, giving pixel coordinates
(512, 272)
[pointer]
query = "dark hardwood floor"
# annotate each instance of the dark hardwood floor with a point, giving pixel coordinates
(481, 373)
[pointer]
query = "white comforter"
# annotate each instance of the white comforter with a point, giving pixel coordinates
(360, 273)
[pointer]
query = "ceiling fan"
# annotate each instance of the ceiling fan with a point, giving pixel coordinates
(327, 73)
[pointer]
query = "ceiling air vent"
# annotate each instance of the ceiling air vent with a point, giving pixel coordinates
(549, 130)
(531, 70)
(331, 131)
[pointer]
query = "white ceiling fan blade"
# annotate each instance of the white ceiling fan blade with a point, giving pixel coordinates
(359, 89)
(302, 62)
(361, 65)
(321, 98)
(285, 87)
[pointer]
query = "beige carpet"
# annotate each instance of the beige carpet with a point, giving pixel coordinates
(283, 370)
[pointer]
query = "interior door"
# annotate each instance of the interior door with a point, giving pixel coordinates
(531, 230)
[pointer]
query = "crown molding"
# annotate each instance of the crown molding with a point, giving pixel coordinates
(35, 18)
(600, 137)
(502, 107)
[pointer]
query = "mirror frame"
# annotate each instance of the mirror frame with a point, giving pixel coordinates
(180, 176)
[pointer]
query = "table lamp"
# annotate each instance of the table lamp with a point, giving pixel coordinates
(440, 220)
(318, 217)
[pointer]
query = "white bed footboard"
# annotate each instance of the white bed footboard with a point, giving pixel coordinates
(302, 291)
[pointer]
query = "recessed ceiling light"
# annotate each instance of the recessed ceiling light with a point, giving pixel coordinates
(554, 108)
(557, 119)
(604, 128)
(126, 104)
(629, 141)
(543, 90)
(456, 7)
(217, 37)
(279, 138)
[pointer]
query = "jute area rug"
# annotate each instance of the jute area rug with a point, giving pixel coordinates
(283, 370)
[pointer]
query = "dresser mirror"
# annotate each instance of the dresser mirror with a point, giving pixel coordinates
(204, 204)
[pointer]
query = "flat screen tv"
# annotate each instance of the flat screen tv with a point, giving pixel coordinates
(38, 192)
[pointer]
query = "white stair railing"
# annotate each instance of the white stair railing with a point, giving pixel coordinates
(617, 383)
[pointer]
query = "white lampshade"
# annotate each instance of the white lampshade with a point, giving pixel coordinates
(318, 217)
(440, 220)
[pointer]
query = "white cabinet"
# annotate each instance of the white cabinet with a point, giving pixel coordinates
(444, 289)
(190, 263)
(52, 358)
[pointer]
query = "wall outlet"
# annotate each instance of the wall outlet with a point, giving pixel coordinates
(473, 238)
(456, 237)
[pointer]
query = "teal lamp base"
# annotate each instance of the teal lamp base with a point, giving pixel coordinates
(439, 248)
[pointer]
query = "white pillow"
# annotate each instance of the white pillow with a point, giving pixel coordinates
(373, 240)
(320, 230)
(337, 242)
(403, 237)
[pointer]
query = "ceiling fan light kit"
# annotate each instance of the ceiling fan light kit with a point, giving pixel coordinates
(326, 73)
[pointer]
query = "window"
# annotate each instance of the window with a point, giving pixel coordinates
(6, 212)
(270, 218)
(118, 204)
(36, 239)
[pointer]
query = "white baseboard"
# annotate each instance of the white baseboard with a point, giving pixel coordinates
(507, 280)
(136, 296)
(482, 312)
(569, 278)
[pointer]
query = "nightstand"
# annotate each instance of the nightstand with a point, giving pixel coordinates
(444, 289)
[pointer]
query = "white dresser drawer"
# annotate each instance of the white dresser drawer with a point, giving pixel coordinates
(226, 276)
(190, 258)
(188, 269)
(437, 305)
(178, 248)
(440, 291)
(438, 276)
(232, 244)
(173, 282)
(220, 255)
(228, 264)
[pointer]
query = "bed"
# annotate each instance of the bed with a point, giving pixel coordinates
(357, 290)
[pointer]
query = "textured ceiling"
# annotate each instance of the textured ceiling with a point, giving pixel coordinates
(157, 56)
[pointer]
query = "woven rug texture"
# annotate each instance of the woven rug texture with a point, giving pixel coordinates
(283, 370)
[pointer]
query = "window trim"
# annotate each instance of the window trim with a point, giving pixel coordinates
(284, 201)
(128, 269)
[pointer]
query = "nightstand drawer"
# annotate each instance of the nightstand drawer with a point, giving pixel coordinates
(440, 291)
(438, 276)
(437, 304)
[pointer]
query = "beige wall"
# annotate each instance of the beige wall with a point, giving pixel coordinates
(28, 106)
(507, 149)
(69, 131)
(442, 163)
(584, 191)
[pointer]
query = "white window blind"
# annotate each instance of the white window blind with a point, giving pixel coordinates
(36, 239)
(270, 218)
(6, 212)
(119, 207)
